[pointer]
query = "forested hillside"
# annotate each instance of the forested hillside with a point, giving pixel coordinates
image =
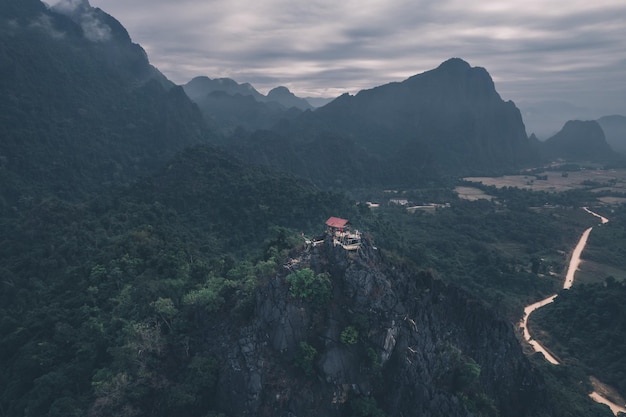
(506, 256)
(586, 324)
(79, 113)
(86, 288)
(146, 272)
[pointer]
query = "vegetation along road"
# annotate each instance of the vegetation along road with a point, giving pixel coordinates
(569, 280)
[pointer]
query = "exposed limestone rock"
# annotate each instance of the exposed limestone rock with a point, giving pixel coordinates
(423, 349)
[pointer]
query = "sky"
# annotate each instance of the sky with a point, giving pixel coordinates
(556, 59)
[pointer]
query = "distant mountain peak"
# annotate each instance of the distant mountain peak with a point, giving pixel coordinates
(284, 97)
(449, 119)
(280, 90)
(201, 86)
(96, 24)
(227, 81)
(456, 72)
(454, 64)
(589, 128)
(72, 6)
(579, 140)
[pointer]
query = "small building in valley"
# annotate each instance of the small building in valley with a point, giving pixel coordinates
(399, 201)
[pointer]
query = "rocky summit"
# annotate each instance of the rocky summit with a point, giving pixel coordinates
(387, 338)
(452, 113)
(445, 122)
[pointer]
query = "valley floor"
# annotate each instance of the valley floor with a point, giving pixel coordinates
(602, 393)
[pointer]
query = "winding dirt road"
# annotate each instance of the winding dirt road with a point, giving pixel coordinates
(569, 280)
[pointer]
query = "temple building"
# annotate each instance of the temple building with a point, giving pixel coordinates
(339, 229)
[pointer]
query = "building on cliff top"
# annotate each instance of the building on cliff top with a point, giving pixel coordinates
(339, 230)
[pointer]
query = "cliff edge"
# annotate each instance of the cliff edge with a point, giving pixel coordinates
(384, 340)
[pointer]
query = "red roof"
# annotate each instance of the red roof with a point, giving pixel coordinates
(336, 222)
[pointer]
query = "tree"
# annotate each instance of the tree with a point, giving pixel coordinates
(305, 284)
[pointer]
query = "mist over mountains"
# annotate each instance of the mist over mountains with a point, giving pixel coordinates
(614, 128)
(80, 113)
(446, 122)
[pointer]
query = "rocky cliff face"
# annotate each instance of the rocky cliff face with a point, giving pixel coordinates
(452, 113)
(389, 340)
(443, 123)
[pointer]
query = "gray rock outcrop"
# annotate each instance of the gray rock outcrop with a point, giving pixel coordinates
(422, 348)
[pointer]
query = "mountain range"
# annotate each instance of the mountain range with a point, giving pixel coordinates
(442, 123)
(228, 105)
(446, 122)
(149, 269)
(438, 137)
(201, 86)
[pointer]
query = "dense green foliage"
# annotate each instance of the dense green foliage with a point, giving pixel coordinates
(607, 244)
(122, 241)
(314, 288)
(566, 390)
(305, 358)
(504, 254)
(103, 303)
(349, 335)
(586, 325)
(365, 407)
(76, 115)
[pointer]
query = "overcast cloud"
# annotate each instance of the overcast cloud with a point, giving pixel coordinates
(571, 51)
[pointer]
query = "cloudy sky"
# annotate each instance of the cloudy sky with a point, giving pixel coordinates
(555, 56)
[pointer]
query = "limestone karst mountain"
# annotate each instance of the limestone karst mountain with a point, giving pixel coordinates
(286, 98)
(445, 122)
(145, 273)
(579, 141)
(201, 86)
(452, 113)
(82, 107)
(228, 105)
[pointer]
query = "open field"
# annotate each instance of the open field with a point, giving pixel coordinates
(472, 193)
(613, 180)
(593, 272)
(612, 200)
